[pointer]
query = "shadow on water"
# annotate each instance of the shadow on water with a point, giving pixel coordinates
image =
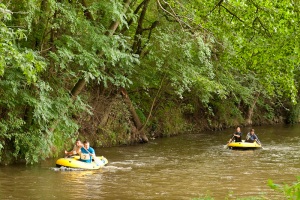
(183, 167)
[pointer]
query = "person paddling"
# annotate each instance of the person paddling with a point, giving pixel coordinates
(237, 136)
(87, 153)
(251, 137)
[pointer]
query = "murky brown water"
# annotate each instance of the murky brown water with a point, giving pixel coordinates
(183, 167)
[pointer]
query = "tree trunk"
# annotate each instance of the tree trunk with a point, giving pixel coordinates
(87, 13)
(250, 111)
(136, 47)
(78, 88)
(135, 116)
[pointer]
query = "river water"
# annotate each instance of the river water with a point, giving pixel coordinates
(188, 166)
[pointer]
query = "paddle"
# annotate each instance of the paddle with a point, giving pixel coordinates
(257, 140)
(226, 146)
(96, 159)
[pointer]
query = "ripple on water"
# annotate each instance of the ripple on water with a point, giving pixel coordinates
(184, 167)
(112, 168)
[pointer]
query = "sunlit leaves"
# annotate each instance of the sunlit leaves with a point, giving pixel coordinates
(202, 51)
(184, 60)
(26, 105)
(14, 58)
(263, 41)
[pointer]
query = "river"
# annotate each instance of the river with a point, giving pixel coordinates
(188, 166)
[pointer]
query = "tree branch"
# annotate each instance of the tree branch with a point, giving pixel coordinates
(232, 13)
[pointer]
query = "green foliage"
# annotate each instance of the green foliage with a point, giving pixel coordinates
(255, 28)
(290, 191)
(117, 130)
(170, 121)
(200, 58)
(85, 49)
(294, 114)
(225, 112)
(141, 115)
(28, 105)
(184, 67)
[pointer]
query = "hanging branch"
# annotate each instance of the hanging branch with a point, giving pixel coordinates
(217, 5)
(131, 20)
(173, 14)
(153, 103)
(232, 13)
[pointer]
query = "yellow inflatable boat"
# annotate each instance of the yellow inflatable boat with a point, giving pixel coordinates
(244, 145)
(74, 162)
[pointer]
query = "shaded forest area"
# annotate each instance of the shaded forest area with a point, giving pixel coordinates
(123, 72)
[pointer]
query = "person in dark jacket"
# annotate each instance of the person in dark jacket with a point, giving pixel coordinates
(237, 136)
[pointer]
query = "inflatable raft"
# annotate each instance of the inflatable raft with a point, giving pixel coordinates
(74, 162)
(244, 145)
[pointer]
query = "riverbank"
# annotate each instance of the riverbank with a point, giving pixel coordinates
(111, 123)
